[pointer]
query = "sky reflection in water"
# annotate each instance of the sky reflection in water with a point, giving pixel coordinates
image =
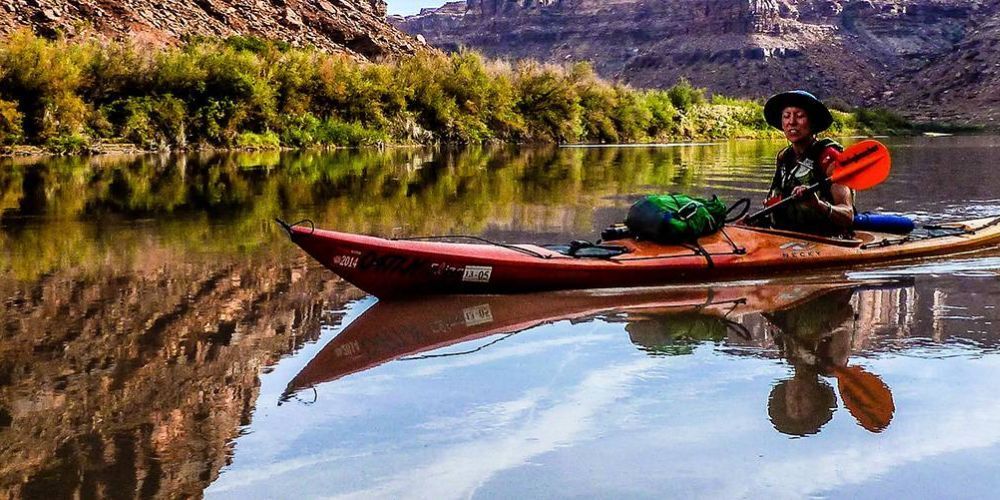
(572, 408)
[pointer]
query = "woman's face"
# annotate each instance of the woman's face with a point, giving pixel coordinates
(795, 124)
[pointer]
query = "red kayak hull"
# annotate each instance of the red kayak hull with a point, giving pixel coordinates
(390, 268)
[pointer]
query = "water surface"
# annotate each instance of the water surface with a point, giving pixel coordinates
(162, 338)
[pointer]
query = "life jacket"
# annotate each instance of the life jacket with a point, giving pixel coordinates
(791, 173)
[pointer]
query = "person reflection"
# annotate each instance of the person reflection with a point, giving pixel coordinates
(815, 337)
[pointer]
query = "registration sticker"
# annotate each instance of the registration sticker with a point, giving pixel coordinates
(477, 274)
(346, 261)
(477, 315)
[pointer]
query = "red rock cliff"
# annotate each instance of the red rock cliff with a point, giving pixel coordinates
(859, 51)
(353, 26)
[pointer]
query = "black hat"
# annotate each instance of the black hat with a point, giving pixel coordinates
(819, 117)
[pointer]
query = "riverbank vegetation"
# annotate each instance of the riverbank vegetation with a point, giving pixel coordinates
(249, 93)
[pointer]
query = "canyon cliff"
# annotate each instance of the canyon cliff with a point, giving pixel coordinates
(931, 59)
(356, 27)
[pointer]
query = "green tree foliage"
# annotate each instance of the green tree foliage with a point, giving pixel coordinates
(685, 96)
(881, 120)
(253, 93)
(548, 101)
(10, 123)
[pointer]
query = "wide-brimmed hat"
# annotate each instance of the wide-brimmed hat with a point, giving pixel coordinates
(820, 118)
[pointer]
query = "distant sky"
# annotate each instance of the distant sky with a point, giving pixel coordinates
(407, 7)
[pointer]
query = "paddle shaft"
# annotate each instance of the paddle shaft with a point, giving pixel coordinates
(809, 190)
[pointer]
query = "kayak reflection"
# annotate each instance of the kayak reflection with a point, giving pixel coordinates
(809, 323)
(816, 338)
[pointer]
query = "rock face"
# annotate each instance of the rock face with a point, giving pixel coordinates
(962, 85)
(859, 51)
(352, 26)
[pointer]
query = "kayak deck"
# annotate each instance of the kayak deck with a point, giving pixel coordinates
(406, 267)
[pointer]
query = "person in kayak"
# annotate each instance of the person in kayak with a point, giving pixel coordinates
(806, 161)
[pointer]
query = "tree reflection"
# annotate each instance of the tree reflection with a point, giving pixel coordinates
(396, 192)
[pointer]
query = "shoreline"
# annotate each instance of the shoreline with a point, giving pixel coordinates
(28, 151)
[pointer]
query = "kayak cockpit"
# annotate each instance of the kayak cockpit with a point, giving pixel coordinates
(586, 249)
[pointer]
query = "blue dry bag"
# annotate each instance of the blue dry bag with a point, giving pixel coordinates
(883, 223)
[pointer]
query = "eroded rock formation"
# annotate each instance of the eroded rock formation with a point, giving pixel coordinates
(858, 51)
(353, 26)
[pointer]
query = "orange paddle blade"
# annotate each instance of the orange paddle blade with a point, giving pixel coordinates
(866, 396)
(863, 165)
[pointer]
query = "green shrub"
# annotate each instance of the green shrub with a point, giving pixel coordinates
(467, 83)
(153, 121)
(218, 121)
(501, 114)
(338, 133)
(300, 130)
(685, 96)
(10, 123)
(293, 74)
(549, 103)
(663, 114)
(266, 140)
(632, 117)
(881, 120)
(70, 144)
(597, 106)
(598, 101)
(43, 77)
(179, 73)
(63, 114)
(249, 92)
(99, 123)
(247, 44)
(843, 122)
(426, 96)
(469, 99)
(719, 121)
(116, 70)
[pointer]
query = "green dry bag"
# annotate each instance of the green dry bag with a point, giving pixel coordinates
(675, 218)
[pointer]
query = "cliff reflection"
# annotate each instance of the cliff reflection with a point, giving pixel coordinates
(129, 377)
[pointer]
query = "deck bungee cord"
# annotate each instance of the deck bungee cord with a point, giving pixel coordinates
(930, 232)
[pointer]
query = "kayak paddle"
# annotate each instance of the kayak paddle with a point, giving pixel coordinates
(859, 167)
(866, 396)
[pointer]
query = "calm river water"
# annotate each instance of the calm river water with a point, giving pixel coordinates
(162, 338)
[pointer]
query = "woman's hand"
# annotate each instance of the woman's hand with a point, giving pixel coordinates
(802, 193)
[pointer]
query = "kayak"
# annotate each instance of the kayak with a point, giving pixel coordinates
(391, 330)
(395, 268)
